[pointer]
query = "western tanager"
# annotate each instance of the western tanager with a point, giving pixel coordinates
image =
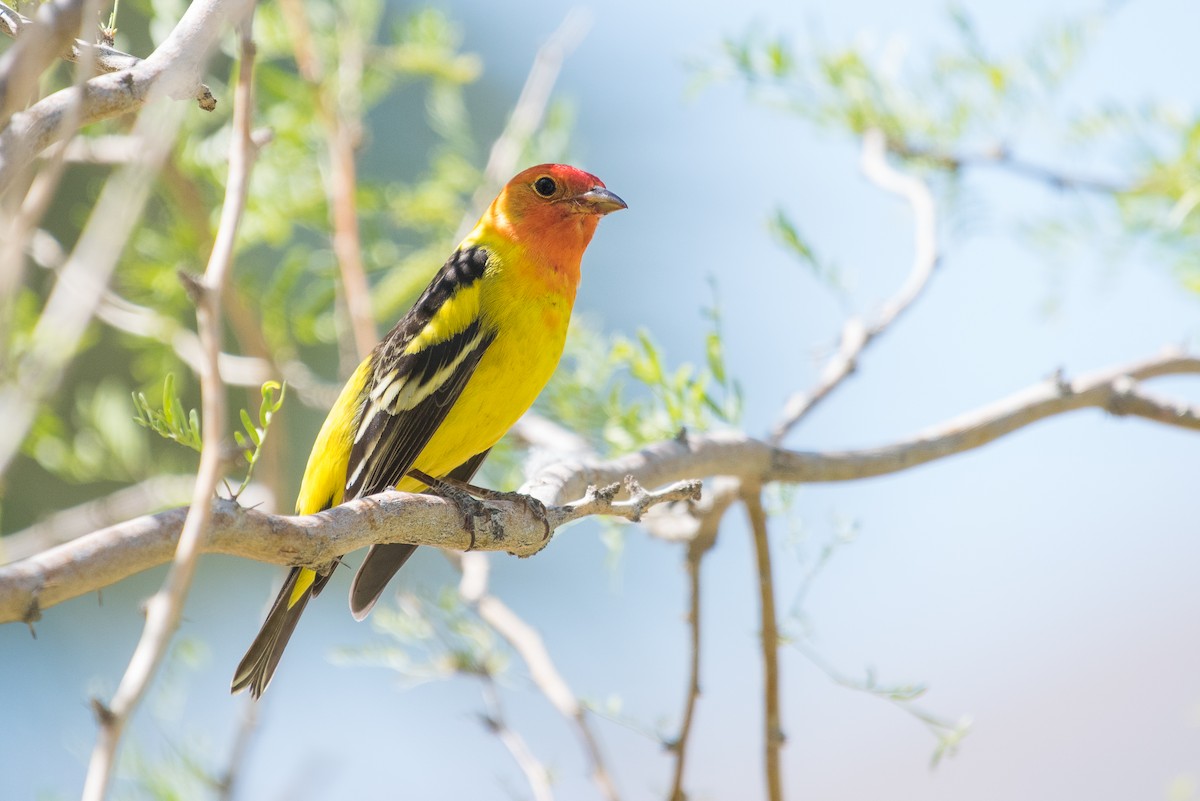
(449, 380)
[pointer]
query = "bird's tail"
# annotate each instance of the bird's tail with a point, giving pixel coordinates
(382, 562)
(258, 665)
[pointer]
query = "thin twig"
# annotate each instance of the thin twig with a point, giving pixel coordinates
(772, 724)
(104, 57)
(722, 492)
(495, 722)
(857, 334)
(529, 645)
(340, 114)
(165, 607)
(527, 114)
(1002, 158)
(107, 556)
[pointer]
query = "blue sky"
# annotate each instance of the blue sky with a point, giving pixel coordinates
(1045, 585)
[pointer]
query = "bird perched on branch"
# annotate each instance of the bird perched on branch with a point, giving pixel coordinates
(448, 381)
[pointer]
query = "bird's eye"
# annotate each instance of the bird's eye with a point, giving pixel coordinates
(545, 186)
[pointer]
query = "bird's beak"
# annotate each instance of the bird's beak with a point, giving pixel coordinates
(599, 200)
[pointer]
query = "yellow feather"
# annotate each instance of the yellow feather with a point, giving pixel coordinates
(458, 312)
(325, 476)
(528, 309)
(303, 582)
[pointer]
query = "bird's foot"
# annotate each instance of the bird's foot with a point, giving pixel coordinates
(531, 504)
(474, 511)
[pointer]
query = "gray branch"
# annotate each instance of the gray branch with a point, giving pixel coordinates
(172, 70)
(105, 557)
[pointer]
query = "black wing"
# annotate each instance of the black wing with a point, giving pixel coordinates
(411, 393)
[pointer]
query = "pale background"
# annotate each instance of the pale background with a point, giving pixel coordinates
(1047, 585)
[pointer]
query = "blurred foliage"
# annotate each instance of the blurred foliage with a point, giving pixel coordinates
(962, 105)
(430, 639)
(945, 110)
(621, 393)
(372, 65)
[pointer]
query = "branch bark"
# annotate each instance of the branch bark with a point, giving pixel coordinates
(172, 70)
(105, 58)
(1116, 390)
(772, 722)
(706, 516)
(529, 645)
(164, 609)
(105, 557)
(857, 334)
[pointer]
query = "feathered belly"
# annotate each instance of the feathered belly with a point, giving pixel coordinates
(508, 379)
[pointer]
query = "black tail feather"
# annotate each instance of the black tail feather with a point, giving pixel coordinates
(383, 561)
(257, 667)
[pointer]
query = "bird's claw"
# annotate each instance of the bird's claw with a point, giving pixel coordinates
(531, 505)
(473, 510)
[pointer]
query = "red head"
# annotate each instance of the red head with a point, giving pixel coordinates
(553, 207)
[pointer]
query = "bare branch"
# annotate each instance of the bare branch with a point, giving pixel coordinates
(1002, 157)
(105, 557)
(172, 70)
(164, 609)
(707, 513)
(528, 644)
(734, 454)
(108, 556)
(772, 724)
(535, 772)
(857, 334)
(65, 525)
(527, 114)
(20, 68)
(105, 58)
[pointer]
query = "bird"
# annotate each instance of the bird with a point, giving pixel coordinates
(446, 383)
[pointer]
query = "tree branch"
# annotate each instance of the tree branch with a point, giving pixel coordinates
(772, 724)
(526, 641)
(172, 70)
(735, 454)
(494, 721)
(105, 557)
(708, 514)
(1002, 157)
(105, 58)
(857, 334)
(164, 609)
(20, 68)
